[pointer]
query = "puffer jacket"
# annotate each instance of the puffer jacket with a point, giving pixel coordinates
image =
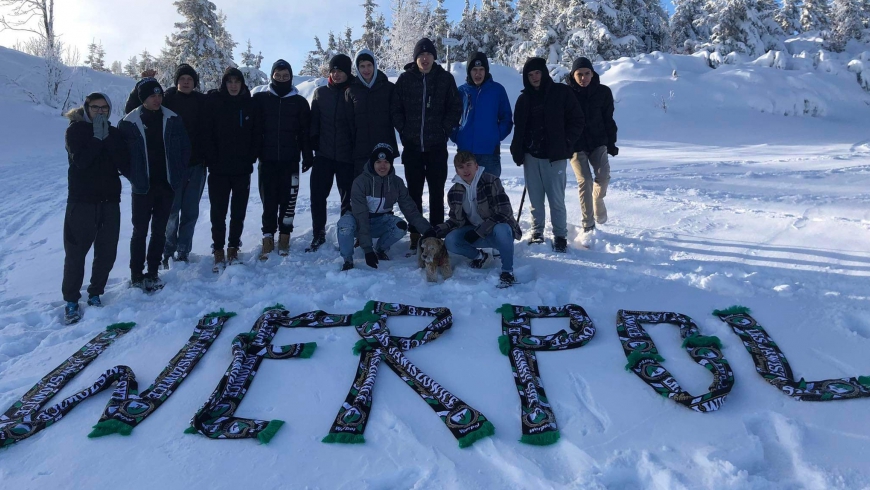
(596, 100)
(331, 136)
(369, 115)
(94, 165)
(175, 143)
(425, 109)
(191, 108)
(493, 206)
(283, 125)
(230, 143)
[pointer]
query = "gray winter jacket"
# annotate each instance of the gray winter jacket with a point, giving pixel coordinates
(175, 142)
(372, 195)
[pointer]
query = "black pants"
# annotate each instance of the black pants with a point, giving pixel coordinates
(219, 189)
(429, 167)
(322, 175)
(279, 187)
(85, 225)
(152, 208)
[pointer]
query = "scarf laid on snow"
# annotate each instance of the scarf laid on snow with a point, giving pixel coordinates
(466, 423)
(517, 342)
(644, 359)
(771, 364)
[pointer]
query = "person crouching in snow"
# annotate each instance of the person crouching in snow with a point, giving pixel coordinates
(97, 155)
(480, 216)
(373, 195)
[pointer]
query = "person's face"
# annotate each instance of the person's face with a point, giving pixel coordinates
(382, 167)
(466, 171)
(153, 102)
(185, 84)
(97, 107)
(281, 75)
(425, 61)
(366, 70)
(583, 76)
(337, 75)
(478, 73)
(535, 78)
(234, 86)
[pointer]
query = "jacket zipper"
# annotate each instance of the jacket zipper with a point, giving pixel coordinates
(280, 105)
(423, 119)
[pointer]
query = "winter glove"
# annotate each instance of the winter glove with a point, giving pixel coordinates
(472, 236)
(101, 126)
(372, 259)
(612, 150)
(306, 165)
(430, 233)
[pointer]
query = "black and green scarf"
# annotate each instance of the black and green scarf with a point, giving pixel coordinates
(771, 364)
(644, 359)
(517, 342)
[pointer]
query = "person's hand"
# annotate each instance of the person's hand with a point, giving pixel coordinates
(372, 260)
(471, 236)
(430, 233)
(101, 126)
(306, 165)
(612, 150)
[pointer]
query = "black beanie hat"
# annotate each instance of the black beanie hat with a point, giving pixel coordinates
(280, 65)
(581, 62)
(383, 151)
(479, 59)
(342, 62)
(148, 87)
(364, 57)
(185, 69)
(424, 46)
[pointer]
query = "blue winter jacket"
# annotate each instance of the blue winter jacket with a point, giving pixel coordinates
(486, 118)
(175, 141)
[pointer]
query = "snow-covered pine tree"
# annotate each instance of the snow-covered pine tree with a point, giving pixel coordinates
(505, 33)
(131, 69)
(346, 43)
(646, 20)
(251, 67)
(92, 53)
(847, 23)
(688, 26)
(370, 38)
(313, 62)
(146, 62)
(439, 29)
(468, 32)
(100, 58)
(739, 27)
(117, 68)
(409, 22)
(816, 16)
(772, 32)
(788, 16)
(521, 44)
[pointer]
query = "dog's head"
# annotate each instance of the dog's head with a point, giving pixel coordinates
(432, 250)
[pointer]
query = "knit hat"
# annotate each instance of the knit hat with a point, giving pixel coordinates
(364, 57)
(424, 46)
(383, 151)
(148, 87)
(281, 65)
(581, 62)
(478, 60)
(185, 69)
(342, 62)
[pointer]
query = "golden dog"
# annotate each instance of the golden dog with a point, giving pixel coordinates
(433, 256)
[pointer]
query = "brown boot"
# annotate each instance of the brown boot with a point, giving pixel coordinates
(232, 255)
(284, 244)
(219, 260)
(268, 246)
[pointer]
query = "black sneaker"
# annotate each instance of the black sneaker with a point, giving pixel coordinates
(587, 229)
(382, 255)
(506, 280)
(137, 281)
(536, 239)
(348, 265)
(182, 257)
(318, 240)
(481, 260)
(560, 245)
(165, 262)
(152, 282)
(72, 313)
(95, 301)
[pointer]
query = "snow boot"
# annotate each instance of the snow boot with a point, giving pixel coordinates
(382, 255)
(348, 265)
(72, 313)
(587, 229)
(318, 240)
(232, 255)
(137, 280)
(284, 244)
(182, 257)
(220, 261)
(560, 245)
(536, 239)
(165, 262)
(506, 280)
(481, 261)
(152, 282)
(268, 246)
(94, 300)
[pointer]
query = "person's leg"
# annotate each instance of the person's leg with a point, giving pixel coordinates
(190, 199)
(601, 166)
(141, 210)
(79, 229)
(456, 243)
(580, 164)
(344, 175)
(321, 184)
(287, 195)
(241, 190)
(174, 219)
(555, 180)
(436, 178)
(346, 235)
(105, 247)
(163, 198)
(219, 188)
(502, 239)
(535, 190)
(415, 178)
(387, 229)
(490, 162)
(269, 188)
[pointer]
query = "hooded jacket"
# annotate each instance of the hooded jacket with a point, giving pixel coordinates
(486, 114)
(230, 143)
(596, 100)
(175, 143)
(563, 118)
(368, 112)
(330, 132)
(372, 195)
(425, 109)
(94, 165)
(191, 108)
(493, 206)
(282, 126)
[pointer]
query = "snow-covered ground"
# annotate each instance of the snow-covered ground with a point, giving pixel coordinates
(721, 200)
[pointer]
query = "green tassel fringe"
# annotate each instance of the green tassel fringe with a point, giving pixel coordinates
(702, 341)
(308, 350)
(344, 439)
(218, 314)
(191, 430)
(504, 344)
(363, 345)
(636, 356)
(544, 439)
(110, 426)
(120, 326)
(734, 310)
(276, 306)
(486, 429)
(365, 315)
(864, 380)
(269, 432)
(506, 311)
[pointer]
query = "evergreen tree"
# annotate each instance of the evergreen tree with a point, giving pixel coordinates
(467, 32)
(505, 32)
(743, 26)
(409, 22)
(251, 67)
(789, 16)
(345, 45)
(847, 23)
(92, 54)
(146, 62)
(117, 68)
(688, 26)
(439, 29)
(131, 69)
(99, 58)
(313, 62)
(815, 16)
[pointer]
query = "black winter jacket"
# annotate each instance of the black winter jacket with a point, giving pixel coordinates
(230, 142)
(425, 109)
(282, 125)
(175, 143)
(191, 108)
(369, 114)
(596, 100)
(330, 133)
(94, 165)
(563, 120)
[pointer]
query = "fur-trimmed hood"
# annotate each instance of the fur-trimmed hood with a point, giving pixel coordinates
(80, 114)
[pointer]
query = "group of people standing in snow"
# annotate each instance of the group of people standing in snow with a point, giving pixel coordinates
(170, 144)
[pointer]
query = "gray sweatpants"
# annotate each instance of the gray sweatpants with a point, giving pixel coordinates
(546, 179)
(592, 191)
